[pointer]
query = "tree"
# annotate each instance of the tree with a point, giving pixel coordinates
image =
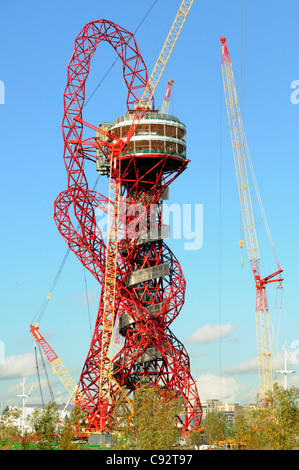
(196, 437)
(154, 423)
(45, 423)
(286, 417)
(47, 430)
(214, 428)
(71, 427)
(242, 427)
(8, 427)
(273, 427)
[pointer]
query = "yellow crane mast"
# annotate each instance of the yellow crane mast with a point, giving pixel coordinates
(241, 153)
(109, 294)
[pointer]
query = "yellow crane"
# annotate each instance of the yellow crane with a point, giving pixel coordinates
(165, 53)
(241, 154)
(114, 204)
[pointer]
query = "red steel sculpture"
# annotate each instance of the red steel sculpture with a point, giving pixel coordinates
(150, 285)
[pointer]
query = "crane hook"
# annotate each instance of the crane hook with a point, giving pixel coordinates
(241, 243)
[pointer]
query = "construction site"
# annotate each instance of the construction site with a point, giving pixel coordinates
(128, 167)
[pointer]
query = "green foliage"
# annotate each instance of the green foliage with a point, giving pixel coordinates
(45, 423)
(8, 427)
(48, 432)
(214, 428)
(273, 427)
(154, 423)
(71, 427)
(196, 437)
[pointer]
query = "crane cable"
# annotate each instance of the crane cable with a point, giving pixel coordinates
(38, 375)
(275, 329)
(43, 307)
(112, 65)
(38, 316)
(220, 230)
(242, 101)
(247, 153)
(46, 373)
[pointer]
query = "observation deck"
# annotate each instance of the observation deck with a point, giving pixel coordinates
(156, 134)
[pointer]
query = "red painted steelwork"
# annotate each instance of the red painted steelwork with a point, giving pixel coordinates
(50, 354)
(146, 309)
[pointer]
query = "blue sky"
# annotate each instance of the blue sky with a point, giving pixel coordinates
(35, 47)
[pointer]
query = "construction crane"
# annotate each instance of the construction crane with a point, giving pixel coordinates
(241, 154)
(114, 203)
(166, 100)
(161, 63)
(65, 377)
(58, 367)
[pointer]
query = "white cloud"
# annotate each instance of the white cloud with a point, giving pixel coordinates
(18, 366)
(247, 367)
(243, 368)
(226, 389)
(10, 396)
(209, 333)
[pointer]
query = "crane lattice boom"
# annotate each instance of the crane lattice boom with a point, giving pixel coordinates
(240, 152)
(166, 51)
(58, 367)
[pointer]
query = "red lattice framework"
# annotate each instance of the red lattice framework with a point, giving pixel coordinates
(150, 350)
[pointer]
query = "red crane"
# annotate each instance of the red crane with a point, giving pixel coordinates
(241, 155)
(58, 367)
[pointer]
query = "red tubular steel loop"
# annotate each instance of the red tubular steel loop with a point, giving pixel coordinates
(170, 368)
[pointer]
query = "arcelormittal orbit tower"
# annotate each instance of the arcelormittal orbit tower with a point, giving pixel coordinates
(141, 281)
